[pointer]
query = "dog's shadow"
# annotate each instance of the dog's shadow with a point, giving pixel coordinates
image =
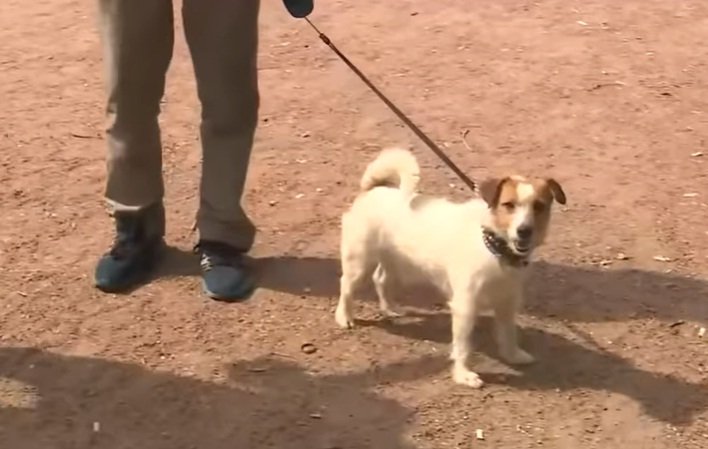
(570, 293)
(556, 291)
(564, 365)
(566, 292)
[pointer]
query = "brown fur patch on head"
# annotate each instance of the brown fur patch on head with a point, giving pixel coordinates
(506, 201)
(549, 190)
(556, 189)
(546, 191)
(490, 189)
(516, 201)
(497, 192)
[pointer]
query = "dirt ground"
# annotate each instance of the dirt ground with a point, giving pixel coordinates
(609, 97)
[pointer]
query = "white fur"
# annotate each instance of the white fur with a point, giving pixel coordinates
(393, 166)
(439, 242)
(523, 212)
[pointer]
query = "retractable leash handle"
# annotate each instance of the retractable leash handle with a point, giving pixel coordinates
(300, 9)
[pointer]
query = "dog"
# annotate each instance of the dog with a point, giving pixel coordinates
(475, 252)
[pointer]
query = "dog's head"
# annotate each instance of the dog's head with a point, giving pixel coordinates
(521, 209)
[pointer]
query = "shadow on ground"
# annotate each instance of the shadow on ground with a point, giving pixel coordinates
(566, 292)
(564, 365)
(263, 403)
(570, 294)
(563, 292)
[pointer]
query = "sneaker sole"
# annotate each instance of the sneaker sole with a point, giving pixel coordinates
(241, 297)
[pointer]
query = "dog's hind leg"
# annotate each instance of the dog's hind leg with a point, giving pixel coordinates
(355, 268)
(385, 287)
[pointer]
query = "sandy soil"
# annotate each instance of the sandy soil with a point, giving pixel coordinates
(607, 96)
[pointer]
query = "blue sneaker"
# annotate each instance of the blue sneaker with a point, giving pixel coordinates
(135, 251)
(225, 276)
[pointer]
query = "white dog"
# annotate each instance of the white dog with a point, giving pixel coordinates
(475, 252)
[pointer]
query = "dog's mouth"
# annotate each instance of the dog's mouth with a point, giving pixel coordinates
(522, 247)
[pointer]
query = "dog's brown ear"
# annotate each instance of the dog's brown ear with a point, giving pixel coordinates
(556, 190)
(490, 189)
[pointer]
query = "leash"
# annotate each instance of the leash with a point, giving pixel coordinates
(403, 117)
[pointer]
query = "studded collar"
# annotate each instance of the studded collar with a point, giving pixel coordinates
(501, 250)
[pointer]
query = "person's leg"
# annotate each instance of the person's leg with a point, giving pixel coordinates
(137, 39)
(223, 40)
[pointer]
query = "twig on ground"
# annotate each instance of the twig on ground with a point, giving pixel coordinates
(464, 139)
(601, 85)
(83, 136)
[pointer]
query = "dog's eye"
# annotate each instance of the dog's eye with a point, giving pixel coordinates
(509, 205)
(539, 206)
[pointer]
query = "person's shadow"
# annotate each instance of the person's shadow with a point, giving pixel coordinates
(52, 400)
(566, 294)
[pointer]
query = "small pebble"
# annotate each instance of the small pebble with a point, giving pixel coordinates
(308, 348)
(622, 256)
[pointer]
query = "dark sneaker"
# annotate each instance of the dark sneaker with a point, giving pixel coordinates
(135, 251)
(225, 276)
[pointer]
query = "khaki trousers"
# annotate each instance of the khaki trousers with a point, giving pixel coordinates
(222, 36)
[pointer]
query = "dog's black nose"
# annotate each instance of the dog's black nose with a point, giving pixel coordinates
(524, 232)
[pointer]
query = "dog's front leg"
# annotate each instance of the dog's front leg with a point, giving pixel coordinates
(463, 307)
(505, 310)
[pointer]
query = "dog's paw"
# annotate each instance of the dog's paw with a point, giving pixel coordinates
(392, 312)
(343, 318)
(518, 357)
(463, 376)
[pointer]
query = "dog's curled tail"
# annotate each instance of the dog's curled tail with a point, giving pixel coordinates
(394, 167)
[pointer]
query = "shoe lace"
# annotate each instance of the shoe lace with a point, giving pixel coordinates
(217, 254)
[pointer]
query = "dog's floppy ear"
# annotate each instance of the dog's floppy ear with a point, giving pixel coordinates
(556, 190)
(490, 189)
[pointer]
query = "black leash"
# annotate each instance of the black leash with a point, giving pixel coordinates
(421, 135)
